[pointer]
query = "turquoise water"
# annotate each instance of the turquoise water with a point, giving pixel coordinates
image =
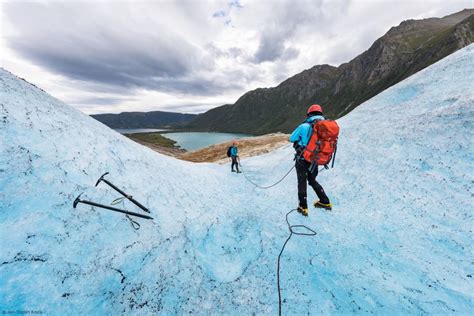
(197, 140)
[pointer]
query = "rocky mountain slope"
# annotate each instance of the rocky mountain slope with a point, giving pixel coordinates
(401, 52)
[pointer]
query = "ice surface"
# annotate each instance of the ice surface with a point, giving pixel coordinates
(399, 241)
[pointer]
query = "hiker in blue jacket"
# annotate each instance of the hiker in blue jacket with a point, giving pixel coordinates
(234, 155)
(300, 138)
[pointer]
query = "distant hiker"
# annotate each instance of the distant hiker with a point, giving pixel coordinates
(233, 153)
(313, 149)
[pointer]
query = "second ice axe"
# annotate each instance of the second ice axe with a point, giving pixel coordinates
(129, 197)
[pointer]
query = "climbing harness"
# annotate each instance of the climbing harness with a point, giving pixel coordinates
(291, 228)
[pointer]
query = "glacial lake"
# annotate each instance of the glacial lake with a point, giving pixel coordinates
(196, 140)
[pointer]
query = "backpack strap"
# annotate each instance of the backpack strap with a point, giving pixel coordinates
(334, 156)
(311, 124)
(318, 143)
(311, 129)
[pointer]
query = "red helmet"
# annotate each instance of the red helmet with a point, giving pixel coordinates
(314, 108)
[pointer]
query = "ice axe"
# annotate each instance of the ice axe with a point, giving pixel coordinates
(129, 197)
(78, 200)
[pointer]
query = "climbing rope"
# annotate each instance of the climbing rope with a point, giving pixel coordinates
(135, 224)
(291, 228)
(265, 187)
(276, 183)
(292, 231)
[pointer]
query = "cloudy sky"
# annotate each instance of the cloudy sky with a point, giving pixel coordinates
(187, 56)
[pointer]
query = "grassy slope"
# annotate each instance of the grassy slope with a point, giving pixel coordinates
(153, 138)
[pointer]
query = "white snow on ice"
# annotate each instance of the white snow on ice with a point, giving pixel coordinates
(399, 241)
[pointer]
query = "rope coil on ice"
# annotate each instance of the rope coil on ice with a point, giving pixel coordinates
(291, 228)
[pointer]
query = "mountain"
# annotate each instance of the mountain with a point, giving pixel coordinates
(401, 52)
(154, 119)
(399, 240)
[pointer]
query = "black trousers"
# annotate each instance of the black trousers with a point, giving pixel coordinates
(234, 162)
(303, 174)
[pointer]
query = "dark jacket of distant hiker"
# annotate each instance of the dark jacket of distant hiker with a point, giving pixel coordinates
(234, 154)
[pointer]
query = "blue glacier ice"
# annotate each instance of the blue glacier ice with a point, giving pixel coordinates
(399, 241)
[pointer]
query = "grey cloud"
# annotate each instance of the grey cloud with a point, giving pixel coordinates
(189, 108)
(281, 76)
(285, 21)
(290, 53)
(100, 100)
(275, 50)
(232, 52)
(270, 48)
(108, 54)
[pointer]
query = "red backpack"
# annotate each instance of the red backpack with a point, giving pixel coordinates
(322, 144)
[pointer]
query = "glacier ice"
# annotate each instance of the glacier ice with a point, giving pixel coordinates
(399, 241)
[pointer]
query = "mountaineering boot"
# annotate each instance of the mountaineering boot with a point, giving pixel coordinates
(233, 170)
(238, 171)
(302, 210)
(318, 204)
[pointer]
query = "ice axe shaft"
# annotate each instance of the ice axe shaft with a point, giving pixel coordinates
(78, 200)
(129, 197)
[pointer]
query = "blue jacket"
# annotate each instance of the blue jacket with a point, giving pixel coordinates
(302, 133)
(233, 151)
